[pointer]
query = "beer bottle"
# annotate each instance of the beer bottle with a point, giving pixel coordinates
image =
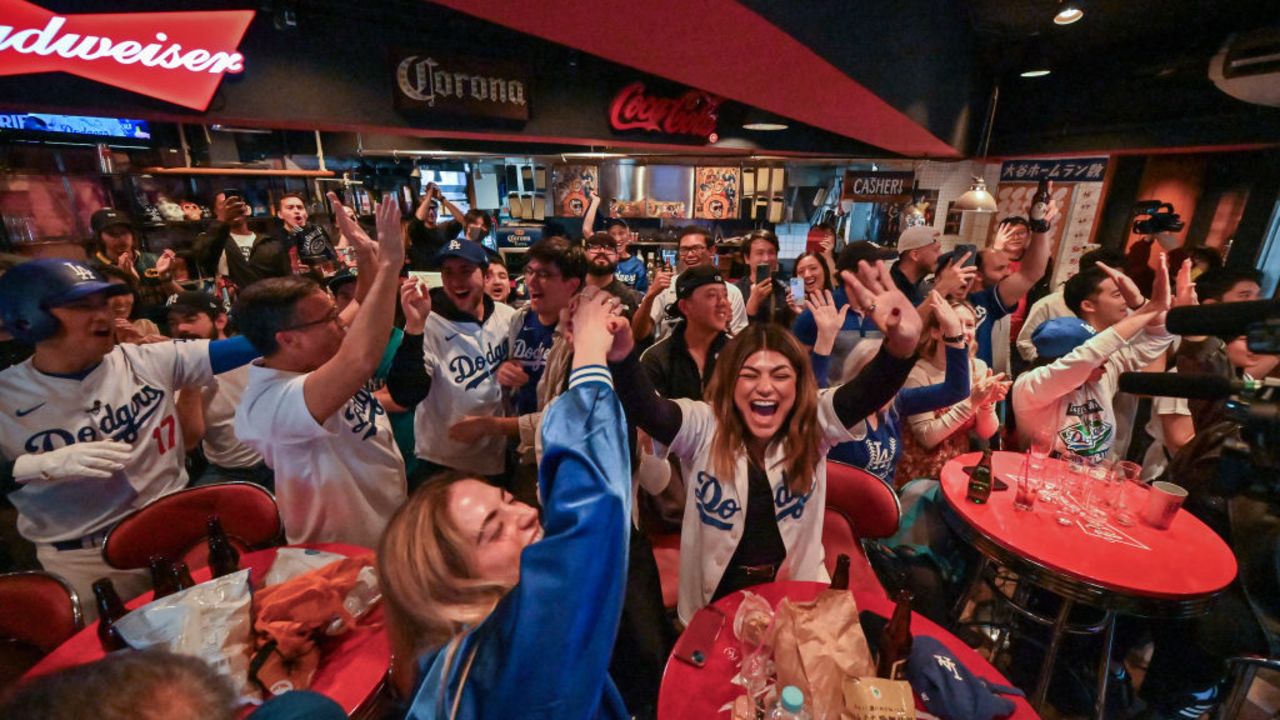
(110, 609)
(1039, 207)
(223, 558)
(183, 574)
(840, 578)
(980, 478)
(163, 580)
(895, 640)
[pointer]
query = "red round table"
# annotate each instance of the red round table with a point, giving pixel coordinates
(699, 693)
(1136, 570)
(351, 670)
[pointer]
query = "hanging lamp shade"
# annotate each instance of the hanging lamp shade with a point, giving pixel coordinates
(977, 198)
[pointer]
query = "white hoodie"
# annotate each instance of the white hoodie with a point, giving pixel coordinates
(1060, 397)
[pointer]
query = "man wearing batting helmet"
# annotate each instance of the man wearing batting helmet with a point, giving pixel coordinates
(88, 428)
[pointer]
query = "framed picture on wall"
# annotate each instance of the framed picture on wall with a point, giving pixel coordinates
(717, 191)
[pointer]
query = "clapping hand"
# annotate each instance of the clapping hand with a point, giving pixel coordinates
(989, 390)
(1185, 289)
(889, 309)
(164, 263)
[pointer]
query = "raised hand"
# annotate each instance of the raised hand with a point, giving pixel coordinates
(948, 321)
(955, 276)
(1161, 294)
(889, 309)
(390, 234)
(349, 228)
(827, 318)
(416, 302)
(125, 263)
(164, 263)
(1184, 289)
(590, 329)
(1128, 288)
(661, 281)
(229, 209)
(1004, 234)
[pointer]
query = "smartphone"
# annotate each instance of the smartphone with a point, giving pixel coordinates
(669, 258)
(797, 290)
(695, 643)
(963, 248)
(229, 193)
(762, 273)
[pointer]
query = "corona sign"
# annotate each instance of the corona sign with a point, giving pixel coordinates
(178, 57)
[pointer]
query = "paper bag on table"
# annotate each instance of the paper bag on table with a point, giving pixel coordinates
(817, 645)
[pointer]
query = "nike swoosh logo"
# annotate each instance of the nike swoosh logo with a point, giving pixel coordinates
(28, 411)
(447, 338)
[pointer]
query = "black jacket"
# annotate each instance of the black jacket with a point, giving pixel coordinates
(672, 369)
(268, 257)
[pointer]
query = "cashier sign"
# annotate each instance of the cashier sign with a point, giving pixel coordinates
(179, 57)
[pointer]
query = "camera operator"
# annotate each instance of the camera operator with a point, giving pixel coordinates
(1157, 225)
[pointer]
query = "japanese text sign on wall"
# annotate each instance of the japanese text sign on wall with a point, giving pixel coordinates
(692, 113)
(466, 87)
(178, 57)
(877, 186)
(1073, 170)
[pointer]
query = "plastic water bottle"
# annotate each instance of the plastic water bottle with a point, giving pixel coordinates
(790, 705)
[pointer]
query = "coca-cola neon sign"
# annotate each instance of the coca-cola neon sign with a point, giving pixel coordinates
(693, 113)
(179, 57)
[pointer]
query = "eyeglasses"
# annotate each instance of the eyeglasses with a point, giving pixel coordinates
(543, 275)
(331, 316)
(601, 246)
(693, 249)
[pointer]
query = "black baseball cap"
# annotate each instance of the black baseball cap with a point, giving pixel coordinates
(691, 280)
(194, 301)
(861, 250)
(340, 278)
(107, 217)
(612, 221)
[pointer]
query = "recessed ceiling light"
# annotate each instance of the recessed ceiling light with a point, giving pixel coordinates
(1035, 73)
(765, 126)
(1068, 14)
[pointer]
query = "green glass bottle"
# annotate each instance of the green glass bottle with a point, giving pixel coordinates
(980, 478)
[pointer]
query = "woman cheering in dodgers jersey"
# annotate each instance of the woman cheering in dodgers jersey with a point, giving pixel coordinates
(753, 452)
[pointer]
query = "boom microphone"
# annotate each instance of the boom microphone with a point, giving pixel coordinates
(1224, 320)
(1193, 386)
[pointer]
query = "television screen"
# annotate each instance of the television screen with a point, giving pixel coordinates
(76, 125)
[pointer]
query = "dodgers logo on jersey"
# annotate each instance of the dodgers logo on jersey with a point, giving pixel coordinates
(789, 505)
(979, 314)
(532, 357)
(121, 423)
(469, 371)
(880, 456)
(714, 508)
(362, 412)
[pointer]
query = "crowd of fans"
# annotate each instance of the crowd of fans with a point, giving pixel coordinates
(495, 446)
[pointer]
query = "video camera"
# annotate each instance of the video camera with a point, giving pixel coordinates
(1155, 217)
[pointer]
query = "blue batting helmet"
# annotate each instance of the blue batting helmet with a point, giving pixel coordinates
(29, 289)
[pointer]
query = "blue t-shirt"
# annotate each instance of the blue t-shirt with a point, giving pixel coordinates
(856, 329)
(878, 452)
(989, 308)
(533, 342)
(632, 272)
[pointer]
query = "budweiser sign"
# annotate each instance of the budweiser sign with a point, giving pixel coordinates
(693, 113)
(179, 57)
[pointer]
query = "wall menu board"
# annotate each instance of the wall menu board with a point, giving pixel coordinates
(717, 192)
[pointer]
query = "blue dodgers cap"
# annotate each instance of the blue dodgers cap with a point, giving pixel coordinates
(1059, 336)
(951, 690)
(471, 251)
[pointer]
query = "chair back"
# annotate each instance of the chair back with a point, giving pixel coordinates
(869, 505)
(38, 608)
(175, 526)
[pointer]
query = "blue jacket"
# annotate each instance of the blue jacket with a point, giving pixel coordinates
(544, 651)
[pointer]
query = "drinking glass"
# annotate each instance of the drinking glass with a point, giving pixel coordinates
(1126, 475)
(1025, 492)
(1038, 453)
(1097, 490)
